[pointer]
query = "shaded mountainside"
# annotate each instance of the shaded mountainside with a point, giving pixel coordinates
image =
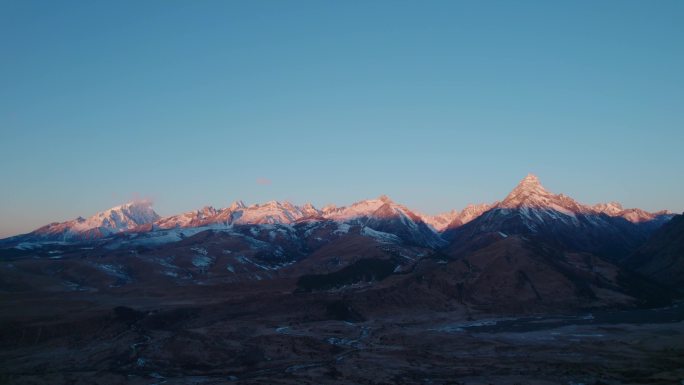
(662, 256)
(512, 274)
(611, 237)
(519, 273)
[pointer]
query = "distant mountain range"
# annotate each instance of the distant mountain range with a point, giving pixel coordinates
(529, 201)
(533, 249)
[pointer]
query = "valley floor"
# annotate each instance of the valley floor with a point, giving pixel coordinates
(283, 338)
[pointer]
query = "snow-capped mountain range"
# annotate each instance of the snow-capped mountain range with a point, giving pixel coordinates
(529, 200)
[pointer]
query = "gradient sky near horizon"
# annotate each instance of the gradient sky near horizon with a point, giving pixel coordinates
(435, 103)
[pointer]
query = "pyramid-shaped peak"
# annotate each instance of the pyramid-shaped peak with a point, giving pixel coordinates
(530, 179)
(529, 189)
(530, 183)
(238, 204)
(385, 199)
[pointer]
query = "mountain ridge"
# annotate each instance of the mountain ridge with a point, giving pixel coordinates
(528, 195)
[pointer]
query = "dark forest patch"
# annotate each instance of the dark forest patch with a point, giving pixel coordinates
(364, 270)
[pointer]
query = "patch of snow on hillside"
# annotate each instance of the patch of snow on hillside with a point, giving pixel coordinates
(380, 236)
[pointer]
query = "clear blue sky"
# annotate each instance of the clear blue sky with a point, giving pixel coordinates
(435, 103)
